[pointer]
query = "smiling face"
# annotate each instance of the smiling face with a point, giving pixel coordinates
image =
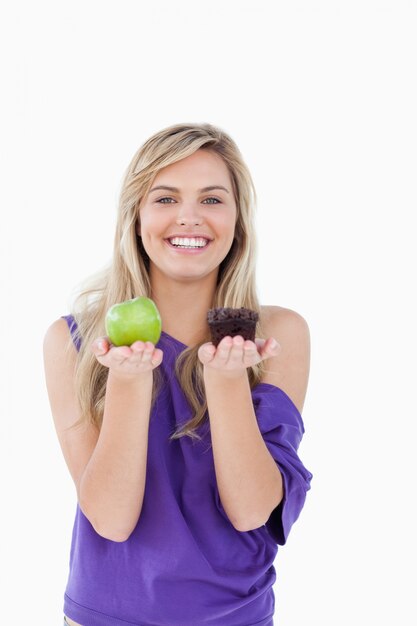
(187, 220)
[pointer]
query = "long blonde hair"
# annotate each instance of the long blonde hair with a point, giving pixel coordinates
(127, 275)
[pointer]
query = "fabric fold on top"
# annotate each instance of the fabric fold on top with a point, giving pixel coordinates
(282, 429)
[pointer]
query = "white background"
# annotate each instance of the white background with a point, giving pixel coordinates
(321, 98)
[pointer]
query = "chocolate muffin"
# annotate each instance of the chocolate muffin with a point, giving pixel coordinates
(230, 322)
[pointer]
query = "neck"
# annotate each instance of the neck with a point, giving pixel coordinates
(183, 307)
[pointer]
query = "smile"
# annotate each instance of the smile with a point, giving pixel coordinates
(188, 242)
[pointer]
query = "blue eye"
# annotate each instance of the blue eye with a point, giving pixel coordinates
(161, 200)
(168, 199)
(216, 201)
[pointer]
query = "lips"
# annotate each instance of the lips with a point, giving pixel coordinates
(188, 242)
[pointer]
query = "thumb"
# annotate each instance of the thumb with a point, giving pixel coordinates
(100, 346)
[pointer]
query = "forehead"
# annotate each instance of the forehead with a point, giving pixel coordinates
(203, 165)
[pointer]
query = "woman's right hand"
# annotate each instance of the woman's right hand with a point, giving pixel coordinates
(127, 360)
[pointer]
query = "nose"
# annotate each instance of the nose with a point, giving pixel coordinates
(189, 214)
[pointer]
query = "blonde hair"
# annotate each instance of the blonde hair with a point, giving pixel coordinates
(127, 275)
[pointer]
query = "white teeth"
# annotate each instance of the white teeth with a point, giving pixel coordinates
(189, 242)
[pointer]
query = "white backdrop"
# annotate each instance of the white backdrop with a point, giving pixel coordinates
(321, 98)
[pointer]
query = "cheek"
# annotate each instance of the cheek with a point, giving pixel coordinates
(228, 226)
(147, 223)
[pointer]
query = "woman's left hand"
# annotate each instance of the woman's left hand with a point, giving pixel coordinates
(234, 354)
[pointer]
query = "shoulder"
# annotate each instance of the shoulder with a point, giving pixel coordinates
(59, 351)
(60, 358)
(290, 369)
(57, 335)
(277, 319)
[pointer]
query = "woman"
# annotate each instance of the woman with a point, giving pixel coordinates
(183, 455)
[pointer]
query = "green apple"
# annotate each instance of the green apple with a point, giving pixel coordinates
(133, 320)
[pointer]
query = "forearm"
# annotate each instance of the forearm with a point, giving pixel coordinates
(112, 486)
(249, 481)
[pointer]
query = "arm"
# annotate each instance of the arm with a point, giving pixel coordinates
(113, 482)
(249, 481)
(108, 466)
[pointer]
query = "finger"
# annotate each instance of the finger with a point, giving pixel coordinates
(120, 352)
(137, 346)
(250, 353)
(138, 350)
(100, 346)
(157, 357)
(236, 351)
(145, 355)
(270, 348)
(223, 349)
(260, 343)
(206, 352)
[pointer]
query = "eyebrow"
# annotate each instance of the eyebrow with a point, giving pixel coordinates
(210, 188)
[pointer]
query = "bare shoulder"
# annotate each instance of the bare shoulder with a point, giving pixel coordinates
(290, 369)
(60, 362)
(278, 318)
(57, 335)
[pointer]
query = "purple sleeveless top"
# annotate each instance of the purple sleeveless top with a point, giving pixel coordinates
(185, 564)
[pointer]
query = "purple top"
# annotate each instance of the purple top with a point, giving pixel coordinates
(185, 564)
